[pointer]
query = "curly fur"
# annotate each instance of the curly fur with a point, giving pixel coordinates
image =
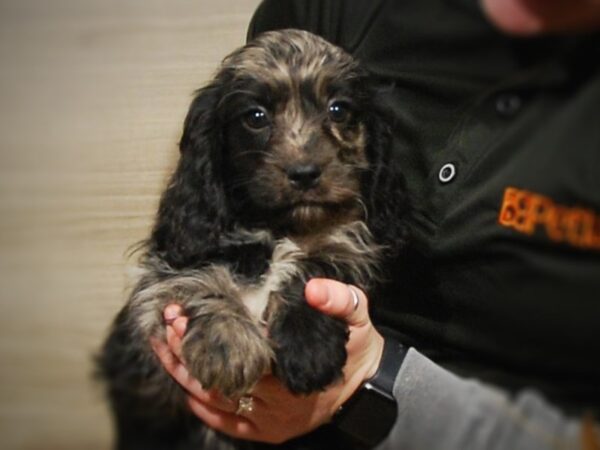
(285, 174)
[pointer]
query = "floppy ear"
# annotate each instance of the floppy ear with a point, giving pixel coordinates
(383, 187)
(193, 209)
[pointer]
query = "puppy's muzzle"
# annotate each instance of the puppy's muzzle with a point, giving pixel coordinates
(304, 176)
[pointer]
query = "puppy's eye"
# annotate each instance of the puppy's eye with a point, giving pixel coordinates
(340, 111)
(256, 118)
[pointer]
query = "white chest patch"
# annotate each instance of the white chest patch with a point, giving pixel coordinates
(282, 269)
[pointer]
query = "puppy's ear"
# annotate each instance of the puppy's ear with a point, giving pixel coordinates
(193, 210)
(383, 185)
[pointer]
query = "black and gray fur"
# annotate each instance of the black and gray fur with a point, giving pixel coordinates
(285, 174)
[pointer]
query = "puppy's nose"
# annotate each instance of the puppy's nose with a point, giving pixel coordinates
(304, 176)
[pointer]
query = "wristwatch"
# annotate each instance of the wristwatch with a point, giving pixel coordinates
(369, 414)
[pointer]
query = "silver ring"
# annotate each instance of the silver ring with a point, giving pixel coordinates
(355, 298)
(245, 405)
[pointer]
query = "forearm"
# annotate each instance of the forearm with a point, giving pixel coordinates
(438, 410)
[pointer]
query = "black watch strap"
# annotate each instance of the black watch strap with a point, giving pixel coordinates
(368, 416)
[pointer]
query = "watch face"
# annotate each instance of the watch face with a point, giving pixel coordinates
(369, 416)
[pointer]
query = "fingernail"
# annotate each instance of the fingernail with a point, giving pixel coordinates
(171, 313)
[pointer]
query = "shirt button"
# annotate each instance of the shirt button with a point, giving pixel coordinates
(508, 104)
(447, 173)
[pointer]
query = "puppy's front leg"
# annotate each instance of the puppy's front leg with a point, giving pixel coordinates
(310, 347)
(223, 347)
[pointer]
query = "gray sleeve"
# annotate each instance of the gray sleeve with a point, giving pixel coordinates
(438, 410)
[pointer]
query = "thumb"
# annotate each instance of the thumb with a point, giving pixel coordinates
(337, 299)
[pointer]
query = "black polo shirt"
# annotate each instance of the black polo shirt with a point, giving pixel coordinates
(499, 138)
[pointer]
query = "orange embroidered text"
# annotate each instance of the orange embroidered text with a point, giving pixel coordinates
(528, 212)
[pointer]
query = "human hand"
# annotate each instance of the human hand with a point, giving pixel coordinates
(277, 414)
(531, 17)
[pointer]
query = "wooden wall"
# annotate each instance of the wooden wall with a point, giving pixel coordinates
(92, 98)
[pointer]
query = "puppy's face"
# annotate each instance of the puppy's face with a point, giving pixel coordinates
(294, 134)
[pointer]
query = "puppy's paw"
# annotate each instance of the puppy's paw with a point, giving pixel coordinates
(310, 350)
(226, 353)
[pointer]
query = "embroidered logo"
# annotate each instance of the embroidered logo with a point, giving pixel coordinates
(528, 212)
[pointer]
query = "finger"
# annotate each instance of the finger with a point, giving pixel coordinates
(179, 372)
(226, 422)
(172, 312)
(180, 325)
(174, 340)
(175, 368)
(337, 299)
(167, 358)
(215, 400)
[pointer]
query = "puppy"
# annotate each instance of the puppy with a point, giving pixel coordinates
(285, 174)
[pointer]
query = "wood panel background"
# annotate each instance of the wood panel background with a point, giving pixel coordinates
(92, 98)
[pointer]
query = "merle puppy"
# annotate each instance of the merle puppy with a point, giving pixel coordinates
(285, 174)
